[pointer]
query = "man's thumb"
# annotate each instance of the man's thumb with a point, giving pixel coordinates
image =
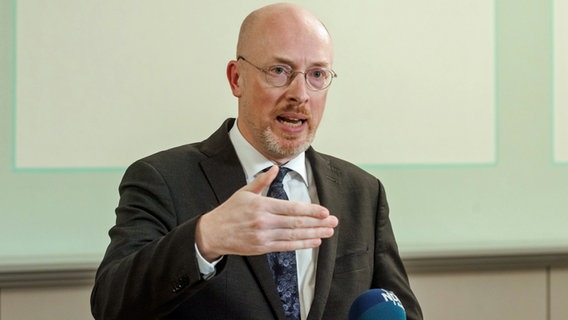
(262, 180)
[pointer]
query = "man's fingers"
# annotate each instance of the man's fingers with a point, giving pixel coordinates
(301, 234)
(295, 208)
(301, 222)
(262, 181)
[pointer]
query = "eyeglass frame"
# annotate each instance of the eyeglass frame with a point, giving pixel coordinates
(291, 75)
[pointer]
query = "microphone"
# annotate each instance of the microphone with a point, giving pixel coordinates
(377, 304)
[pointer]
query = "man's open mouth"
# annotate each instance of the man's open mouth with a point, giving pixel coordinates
(294, 122)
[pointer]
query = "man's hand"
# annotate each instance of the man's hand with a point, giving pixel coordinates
(250, 224)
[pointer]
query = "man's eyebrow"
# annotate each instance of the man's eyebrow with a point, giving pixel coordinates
(288, 62)
(280, 60)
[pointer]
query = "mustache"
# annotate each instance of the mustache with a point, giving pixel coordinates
(301, 109)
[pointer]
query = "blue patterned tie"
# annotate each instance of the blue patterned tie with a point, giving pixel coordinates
(283, 264)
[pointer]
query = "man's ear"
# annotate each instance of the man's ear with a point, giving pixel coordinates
(233, 76)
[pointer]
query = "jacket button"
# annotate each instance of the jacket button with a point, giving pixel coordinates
(181, 283)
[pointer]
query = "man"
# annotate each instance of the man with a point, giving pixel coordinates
(196, 237)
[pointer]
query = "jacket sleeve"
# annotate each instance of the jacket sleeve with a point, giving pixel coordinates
(150, 266)
(389, 272)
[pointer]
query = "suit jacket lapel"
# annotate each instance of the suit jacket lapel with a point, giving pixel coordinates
(225, 174)
(222, 167)
(326, 177)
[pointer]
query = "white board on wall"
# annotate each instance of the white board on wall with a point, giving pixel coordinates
(560, 81)
(100, 84)
(418, 81)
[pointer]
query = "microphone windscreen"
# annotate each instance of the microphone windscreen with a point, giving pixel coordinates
(377, 304)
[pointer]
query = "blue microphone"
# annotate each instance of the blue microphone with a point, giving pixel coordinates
(377, 304)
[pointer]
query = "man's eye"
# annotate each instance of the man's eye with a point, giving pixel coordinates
(278, 70)
(317, 73)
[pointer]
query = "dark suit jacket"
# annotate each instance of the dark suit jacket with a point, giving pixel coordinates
(150, 270)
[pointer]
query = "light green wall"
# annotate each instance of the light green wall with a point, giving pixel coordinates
(46, 216)
(520, 203)
(517, 203)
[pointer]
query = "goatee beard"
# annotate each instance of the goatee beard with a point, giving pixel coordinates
(273, 146)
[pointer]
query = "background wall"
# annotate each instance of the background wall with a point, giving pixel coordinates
(450, 103)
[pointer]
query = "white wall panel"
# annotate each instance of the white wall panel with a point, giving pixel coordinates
(102, 83)
(560, 81)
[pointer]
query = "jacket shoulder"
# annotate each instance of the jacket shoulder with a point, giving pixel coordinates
(345, 169)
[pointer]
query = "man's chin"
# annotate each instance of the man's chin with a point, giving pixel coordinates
(293, 151)
(286, 147)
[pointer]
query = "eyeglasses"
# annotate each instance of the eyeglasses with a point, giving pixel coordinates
(281, 75)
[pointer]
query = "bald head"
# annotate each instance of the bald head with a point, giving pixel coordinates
(278, 20)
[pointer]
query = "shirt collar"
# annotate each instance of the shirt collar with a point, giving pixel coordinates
(253, 161)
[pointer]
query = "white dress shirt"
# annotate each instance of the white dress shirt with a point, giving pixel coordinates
(299, 186)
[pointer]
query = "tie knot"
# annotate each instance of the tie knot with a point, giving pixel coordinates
(276, 189)
(282, 171)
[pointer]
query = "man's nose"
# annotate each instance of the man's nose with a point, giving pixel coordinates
(298, 88)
